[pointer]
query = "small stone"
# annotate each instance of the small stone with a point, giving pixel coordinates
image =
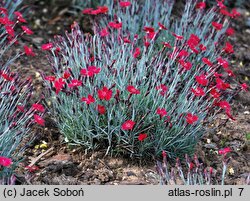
(246, 112)
(215, 138)
(211, 146)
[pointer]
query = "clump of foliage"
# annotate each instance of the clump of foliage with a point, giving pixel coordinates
(16, 115)
(147, 92)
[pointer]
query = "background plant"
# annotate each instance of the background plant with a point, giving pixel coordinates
(16, 114)
(113, 90)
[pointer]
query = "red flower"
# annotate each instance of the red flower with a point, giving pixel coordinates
(224, 151)
(162, 26)
(104, 32)
(244, 86)
(20, 108)
(137, 52)
(162, 112)
(207, 61)
(202, 47)
(58, 84)
(20, 17)
(190, 118)
(128, 125)
(75, 83)
(234, 13)
(39, 120)
(193, 41)
(225, 105)
(66, 75)
(230, 31)
(115, 25)
(200, 5)
(220, 4)
(6, 21)
(223, 62)
(133, 90)
(101, 109)
(142, 136)
(47, 46)
(149, 29)
(27, 30)
(32, 168)
(220, 84)
(38, 107)
(183, 53)
(198, 91)
(90, 71)
(228, 48)
(185, 64)
(90, 99)
(217, 26)
(215, 93)
(163, 89)
(164, 154)
(6, 162)
(7, 77)
(104, 93)
(87, 11)
(166, 44)
(3, 11)
(50, 78)
(202, 80)
(178, 37)
(10, 30)
(125, 4)
(28, 51)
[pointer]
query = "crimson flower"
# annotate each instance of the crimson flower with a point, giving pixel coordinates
(166, 44)
(39, 120)
(193, 41)
(104, 93)
(27, 30)
(198, 91)
(3, 11)
(66, 75)
(104, 32)
(162, 26)
(101, 109)
(217, 25)
(190, 118)
(230, 31)
(202, 47)
(5, 162)
(38, 107)
(137, 52)
(133, 90)
(223, 62)
(20, 108)
(142, 136)
(220, 84)
(75, 83)
(128, 125)
(90, 99)
(125, 4)
(202, 80)
(234, 13)
(178, 37)
(47, 46)
(183, 53)
(228, 48)
(185, 64)
(162, 112)
(215, 93)
(87, 11)
(7, 77)
(10, 30)
(163, 89)
(149, 29)
(28, 51)
(50, 78)
(225, 105)
(115, 25)
(164, 154)
(224, 151)
(90, 71)
(207, 61)
(200, 5)
(220, 4)
(6, 21)
(20, 17)
(58, 84)
(32, 168)
(244, 86)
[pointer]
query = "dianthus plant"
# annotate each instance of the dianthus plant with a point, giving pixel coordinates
(112, 90)
(16, 116)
